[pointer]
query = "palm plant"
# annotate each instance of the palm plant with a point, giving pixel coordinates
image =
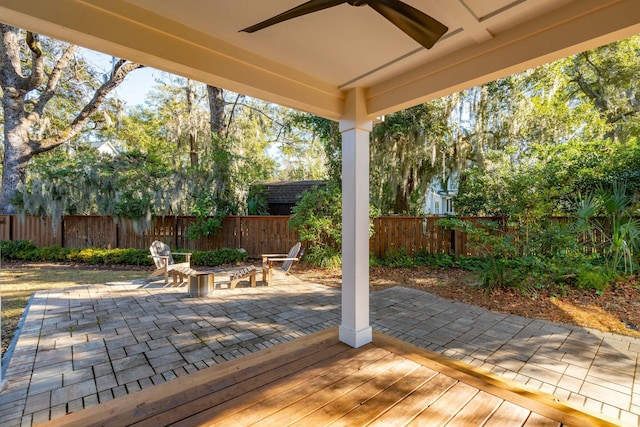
(620, 230)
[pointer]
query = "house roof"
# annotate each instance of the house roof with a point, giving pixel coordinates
(107, 147)
(287, 192)
(313, 62)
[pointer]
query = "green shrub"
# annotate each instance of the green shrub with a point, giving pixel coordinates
(17, 249)
(595, 278)
(24, 250)
(88, 256)
(127, 257)
(398, 258)
(317, 217)
(53, 253)
(473, 263)
(500, 273)
(219, 257)
(204, 227)
(438, 260)
(326, 257)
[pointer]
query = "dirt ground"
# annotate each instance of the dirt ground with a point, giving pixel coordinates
(616, 310)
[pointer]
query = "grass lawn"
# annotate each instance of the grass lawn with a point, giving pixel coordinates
(17, 284)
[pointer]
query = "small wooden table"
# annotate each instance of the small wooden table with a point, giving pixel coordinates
(201, 282)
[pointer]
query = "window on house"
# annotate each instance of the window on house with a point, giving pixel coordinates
(436, 207)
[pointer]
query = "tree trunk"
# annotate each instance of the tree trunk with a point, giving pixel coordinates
(217, 121)
(16, 152)
(216, 107)
(193, 140)
(403, 193)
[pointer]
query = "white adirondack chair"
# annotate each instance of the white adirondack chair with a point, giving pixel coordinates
(269, 263)
(163, 259)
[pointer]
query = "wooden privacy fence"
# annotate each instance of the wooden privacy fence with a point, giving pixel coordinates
(255, 234)
(419, 234)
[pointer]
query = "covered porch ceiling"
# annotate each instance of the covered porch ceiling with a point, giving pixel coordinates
(342, 62)
(311, 62)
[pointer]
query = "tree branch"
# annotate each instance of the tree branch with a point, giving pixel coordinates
(598, 101)
(231, 114)
(37, 62)
(52, 84)
(120, 71)
(10, 65)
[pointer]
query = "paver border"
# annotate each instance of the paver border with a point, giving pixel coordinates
(6, 359)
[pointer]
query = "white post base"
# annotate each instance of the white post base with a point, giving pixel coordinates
(3, 385)
(355, 338)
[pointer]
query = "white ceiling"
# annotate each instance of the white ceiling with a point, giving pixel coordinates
(310, 62)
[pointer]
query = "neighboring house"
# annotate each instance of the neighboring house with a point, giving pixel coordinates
(283, 196)
(106, 147)
(440, 201)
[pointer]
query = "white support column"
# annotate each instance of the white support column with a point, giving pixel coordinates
(355, 127)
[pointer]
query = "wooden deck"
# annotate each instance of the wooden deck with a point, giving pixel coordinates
(316, 380)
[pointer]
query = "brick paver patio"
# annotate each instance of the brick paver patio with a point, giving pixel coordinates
(88, 345)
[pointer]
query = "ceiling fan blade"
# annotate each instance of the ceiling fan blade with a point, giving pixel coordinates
(416, 24)
(303, 9)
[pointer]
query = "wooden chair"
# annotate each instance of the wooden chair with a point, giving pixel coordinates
(165, 265)
(268, 261)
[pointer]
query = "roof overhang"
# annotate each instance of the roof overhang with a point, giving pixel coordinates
(305, 65)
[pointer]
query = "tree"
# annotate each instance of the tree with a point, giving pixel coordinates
(132, 185)
(32, 75)
(408, 150)
(568, 128)
(317, 129)
(608, 78)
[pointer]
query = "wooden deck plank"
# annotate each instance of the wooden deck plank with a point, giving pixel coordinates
(319, 399)
(382, 402)
(542, 403)
(264, 401)
(537, 420)
(337, 408)
(446, 407)
(508, 414)
(477, 411)
(285, 376)
(404, 411)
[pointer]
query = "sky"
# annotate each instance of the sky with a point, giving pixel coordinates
(136, 85)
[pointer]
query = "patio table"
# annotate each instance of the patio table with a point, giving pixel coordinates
(202, 282)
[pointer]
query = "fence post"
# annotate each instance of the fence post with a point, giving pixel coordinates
(238, 239)
(453, 249)
(175, 231)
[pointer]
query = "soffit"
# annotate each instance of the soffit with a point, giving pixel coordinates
(310, 62)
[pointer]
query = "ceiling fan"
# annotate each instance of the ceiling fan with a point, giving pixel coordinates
(416, 24)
